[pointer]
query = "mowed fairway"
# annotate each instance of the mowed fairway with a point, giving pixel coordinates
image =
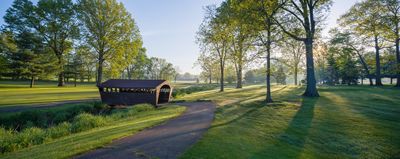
(345, 122)
(19, 94)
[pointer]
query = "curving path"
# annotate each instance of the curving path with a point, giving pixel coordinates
(165, 141)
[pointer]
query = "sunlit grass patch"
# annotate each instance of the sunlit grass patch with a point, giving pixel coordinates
(17, 94)
(345, 122)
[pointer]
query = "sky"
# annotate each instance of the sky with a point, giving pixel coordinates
(169, 27)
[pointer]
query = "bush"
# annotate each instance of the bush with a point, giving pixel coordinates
(57, 123)
(7, 139)
(30, 136)
(132, 111)
(60, 130)
(87, 121)
(192, 89)
(44, 118)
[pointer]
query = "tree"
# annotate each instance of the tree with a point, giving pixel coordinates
(292, 56)
(7, 47)
(249, 77)
(392, 17)
(332, 70)
(88, 61)
(259, 26)
(213, 37)
(279, 75)
(207, 65)
(110, 30)
(137, 69)
(55, 21)
(346, 39)
(159, 68)
(234, 14)
(366, 19)
(301, 20)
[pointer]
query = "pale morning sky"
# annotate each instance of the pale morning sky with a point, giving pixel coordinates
(169, 27)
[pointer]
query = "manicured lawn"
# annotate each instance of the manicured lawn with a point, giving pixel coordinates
(74, 144)
(19, 94)
(345, 122)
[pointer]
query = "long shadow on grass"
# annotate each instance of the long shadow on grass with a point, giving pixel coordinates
(290, 143)
(258, 104)
(254, 106)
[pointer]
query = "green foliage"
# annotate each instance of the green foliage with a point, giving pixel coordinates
(52, 23)
(112, 33)
(279, 75)
(159, 68)
(45, 118)
(179, 92)
(35, 127)
(86, 121)
(255, 76)
(62, 129)
(78, 143)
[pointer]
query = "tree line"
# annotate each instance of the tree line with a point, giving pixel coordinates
(80, 40)
(286, 36)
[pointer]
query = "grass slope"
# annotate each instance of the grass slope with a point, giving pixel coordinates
(345, 122)
(84, 141)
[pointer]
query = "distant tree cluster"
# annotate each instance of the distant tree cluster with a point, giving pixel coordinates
(285, 36)
(81, 40)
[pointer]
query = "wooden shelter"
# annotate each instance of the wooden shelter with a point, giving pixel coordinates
(129, 92)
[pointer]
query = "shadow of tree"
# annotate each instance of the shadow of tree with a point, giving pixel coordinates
(293, 138)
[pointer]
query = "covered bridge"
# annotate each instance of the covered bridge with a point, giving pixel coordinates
(129, 92)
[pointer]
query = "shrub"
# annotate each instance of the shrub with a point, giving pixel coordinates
(58, 123)
(7, 138)
(192, 89)
(30, 136)
(86, 121)
(60, 130)
(44, 118)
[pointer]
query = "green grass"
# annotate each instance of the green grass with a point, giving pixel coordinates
(77, 143)
(345, 122)
(18, 93)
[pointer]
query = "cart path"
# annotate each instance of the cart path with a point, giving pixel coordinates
(165, 141)
(7, 109)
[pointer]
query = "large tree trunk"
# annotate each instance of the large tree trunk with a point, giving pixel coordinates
(239, 77)
(268, 98)
(61, 74)
(128, 72)
(32, 82)
(221, 64)
(398, 61)
(99, 72)
(210, 77)
(378, 81)
(365, 65)
(371, 83)
(295, 75)
(311, 88)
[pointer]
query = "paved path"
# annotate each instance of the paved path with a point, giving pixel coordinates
(165, 141)
(8, 109)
